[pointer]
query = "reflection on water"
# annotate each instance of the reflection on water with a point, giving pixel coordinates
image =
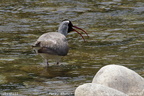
(116, 35)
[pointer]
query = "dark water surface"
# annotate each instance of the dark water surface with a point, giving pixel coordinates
(115, 27)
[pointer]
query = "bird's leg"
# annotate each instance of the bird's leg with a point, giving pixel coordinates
(47, 62)
(57, 63)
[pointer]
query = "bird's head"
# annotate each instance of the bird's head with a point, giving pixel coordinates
(67, 26)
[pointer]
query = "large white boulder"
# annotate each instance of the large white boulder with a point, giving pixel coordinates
(91, 89)
(120, 78)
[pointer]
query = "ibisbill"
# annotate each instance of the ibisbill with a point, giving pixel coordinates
(54, 45)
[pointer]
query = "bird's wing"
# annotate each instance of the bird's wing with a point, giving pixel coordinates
(52, 43)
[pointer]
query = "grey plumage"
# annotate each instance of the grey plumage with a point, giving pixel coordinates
(52, 43)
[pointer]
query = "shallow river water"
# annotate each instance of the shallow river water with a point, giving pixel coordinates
(116, 36)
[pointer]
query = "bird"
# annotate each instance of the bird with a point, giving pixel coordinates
(54, 45)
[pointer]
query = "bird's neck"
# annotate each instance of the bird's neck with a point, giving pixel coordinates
(63, 29)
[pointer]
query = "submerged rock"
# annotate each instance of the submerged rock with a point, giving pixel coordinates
(91, 89)
(2, 79)
(113, 80)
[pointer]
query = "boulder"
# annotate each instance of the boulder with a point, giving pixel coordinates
(120, 78)
(91, 89)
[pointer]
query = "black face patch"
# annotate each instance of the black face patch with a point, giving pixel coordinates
(70, 25)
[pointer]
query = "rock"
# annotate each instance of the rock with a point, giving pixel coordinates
(2, 79)
(91, 89)
(120, 78)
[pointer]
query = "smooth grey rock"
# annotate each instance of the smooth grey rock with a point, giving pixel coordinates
(120, 78)
(91, 89)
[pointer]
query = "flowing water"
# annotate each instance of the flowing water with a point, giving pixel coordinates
(116, 36)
